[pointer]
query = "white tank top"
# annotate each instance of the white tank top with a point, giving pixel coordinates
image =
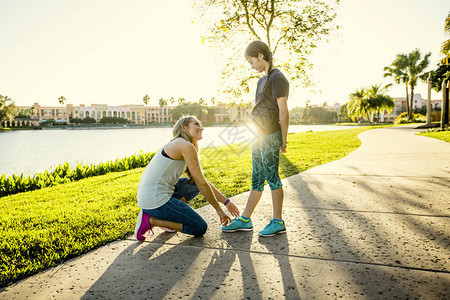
(157, 183)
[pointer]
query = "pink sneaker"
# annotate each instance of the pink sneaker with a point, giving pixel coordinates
(168, 229)
(142, 226)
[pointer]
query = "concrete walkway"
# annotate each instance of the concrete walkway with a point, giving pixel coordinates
(373, 225)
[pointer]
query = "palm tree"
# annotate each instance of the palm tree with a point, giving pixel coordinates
(145, 99)
(445, 48)
(378, 101)
(359, 106)
(33, 110)
(162, 102)
(415, 70)
(397, 70)
(62, 100)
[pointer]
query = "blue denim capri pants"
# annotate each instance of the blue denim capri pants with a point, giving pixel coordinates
(265, 161)
(177, 211)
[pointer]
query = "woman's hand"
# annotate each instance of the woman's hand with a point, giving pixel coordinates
(224, 218)
(234, 211)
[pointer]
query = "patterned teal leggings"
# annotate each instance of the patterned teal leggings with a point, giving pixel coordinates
(265, 161)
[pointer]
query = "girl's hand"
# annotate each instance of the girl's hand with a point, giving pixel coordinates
(234, 211)
(224, 218)
(283, 147)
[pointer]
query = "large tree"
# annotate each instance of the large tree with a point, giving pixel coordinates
(409, 67)
(370, 101)
(291, 29)
(415, 70)
(358, 106)
(397, 70)
(8, 110)
(187, 109)
(440, 74)
(378, 101)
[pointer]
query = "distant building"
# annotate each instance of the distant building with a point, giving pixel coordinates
(336, 108)
(238, 114)
(137, 114)
(400, 107)
(221, 113)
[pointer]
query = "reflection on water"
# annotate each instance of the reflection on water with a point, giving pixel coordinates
(33, 151)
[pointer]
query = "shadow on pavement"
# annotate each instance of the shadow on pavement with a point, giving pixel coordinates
(276, 245)
(390, 244)
(145, 270)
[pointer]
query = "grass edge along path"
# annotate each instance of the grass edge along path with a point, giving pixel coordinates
(45, 227)
(443, 135)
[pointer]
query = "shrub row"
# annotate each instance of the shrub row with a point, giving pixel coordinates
(64, 173)
(416, 118)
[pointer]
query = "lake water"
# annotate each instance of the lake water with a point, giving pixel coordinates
(33, 151)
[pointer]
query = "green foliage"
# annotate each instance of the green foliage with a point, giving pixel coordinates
(439, 75)
(319, 114)
(8, 110)
(64, 173)
(163, 102)
(403, 118)
(408, 69)
(437, 133)
(62, 100)
(146, 99)
(87, 120)
(295, 115)
(370, 101)
(45, 227)
(187, 109)
(113, 120)
(343, 114)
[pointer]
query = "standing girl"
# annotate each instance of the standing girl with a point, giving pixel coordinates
(270, 117)
(162, 193)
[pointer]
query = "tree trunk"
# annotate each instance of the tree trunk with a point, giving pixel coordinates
(411, 100)
(407, 102)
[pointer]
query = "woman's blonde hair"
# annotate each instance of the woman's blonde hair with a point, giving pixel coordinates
(178, 129)
(178, 132)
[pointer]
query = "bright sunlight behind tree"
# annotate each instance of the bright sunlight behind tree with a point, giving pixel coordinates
(291, 29)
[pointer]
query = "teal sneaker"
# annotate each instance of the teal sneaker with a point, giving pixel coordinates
(238, 225)
(273, 228)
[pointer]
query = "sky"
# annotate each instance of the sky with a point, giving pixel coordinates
(115, 52)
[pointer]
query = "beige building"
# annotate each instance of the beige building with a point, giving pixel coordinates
(238, 114)
(400, 107)
(137, 114)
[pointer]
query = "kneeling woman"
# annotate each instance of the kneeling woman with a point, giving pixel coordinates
(162, 194)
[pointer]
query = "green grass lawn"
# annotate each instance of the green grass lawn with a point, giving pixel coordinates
(42, 228)
(441, 135)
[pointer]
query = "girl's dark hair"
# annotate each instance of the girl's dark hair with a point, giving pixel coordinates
(254, 49)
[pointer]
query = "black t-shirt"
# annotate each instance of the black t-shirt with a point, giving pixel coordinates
(265, 113)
